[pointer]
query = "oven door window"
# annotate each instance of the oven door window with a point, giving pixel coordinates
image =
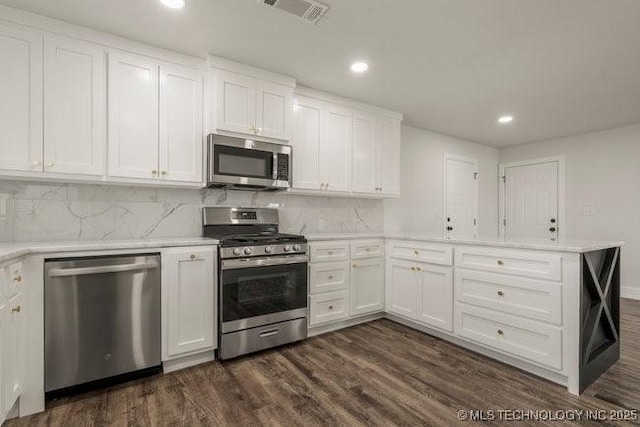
(257, 291)
(243, 162)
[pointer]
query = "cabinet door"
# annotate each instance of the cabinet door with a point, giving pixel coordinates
(133, 116)
(3, 350)
(13, 350)
(236, 102)
(181, 124)
(388, 156)
(274, 110)
(75, 107)
(401, 288)
(188, 286)
(20, 99)
(335, 148)
(435, 288)
(364, 149)
(367, 286)
(306, 143)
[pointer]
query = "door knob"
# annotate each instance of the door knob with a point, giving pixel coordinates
(449, 228)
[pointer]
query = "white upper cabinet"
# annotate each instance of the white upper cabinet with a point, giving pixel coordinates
(75, 107)
(181, 124)
(249, 105)
(274, 110)
(236, 102)
(388, 135)
(306, 143)
(364, 153)
(335, 148)
(20, 99)
(133, 116)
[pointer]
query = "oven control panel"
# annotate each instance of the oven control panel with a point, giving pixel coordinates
(263, 250)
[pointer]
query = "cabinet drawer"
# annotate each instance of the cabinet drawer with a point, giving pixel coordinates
(535, 299)
(523, 338)
(432, 253)
(330, 307)
(329, 251)
(15, 279)
(511, 261)
(367, 249)
(328, 276)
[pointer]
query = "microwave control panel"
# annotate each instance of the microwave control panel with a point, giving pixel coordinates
(283, 167)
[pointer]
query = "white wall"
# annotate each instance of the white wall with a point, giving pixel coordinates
(603, 173)
(421, 204)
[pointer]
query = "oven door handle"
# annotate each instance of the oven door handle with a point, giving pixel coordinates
(234, 264)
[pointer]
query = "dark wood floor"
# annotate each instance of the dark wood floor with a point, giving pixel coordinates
(379, 373)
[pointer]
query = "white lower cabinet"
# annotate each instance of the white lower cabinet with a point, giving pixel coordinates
(367, 286)
(189, 301)
(421, 292)
(329, 307)
(328, 276)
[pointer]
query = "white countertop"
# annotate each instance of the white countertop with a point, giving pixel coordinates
(9, 251)
(563, 245)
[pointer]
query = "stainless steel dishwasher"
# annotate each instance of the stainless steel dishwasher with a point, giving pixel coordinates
(102, 318)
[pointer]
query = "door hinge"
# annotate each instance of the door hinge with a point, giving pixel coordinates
(504, 179)
(475, 221)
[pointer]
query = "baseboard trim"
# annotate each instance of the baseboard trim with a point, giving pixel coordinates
(188, 361)
(630, 292)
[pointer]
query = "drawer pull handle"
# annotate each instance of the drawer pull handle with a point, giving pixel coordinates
(330, 277)
(500, 332)
(269, 333)
(500, 262)
(330, 307)
(418, 268)
(413, 269)
(192, 256)
(416, 253)
(355, 265)
(500, 294)
(368, 249)
(18, 278)
(16, 309)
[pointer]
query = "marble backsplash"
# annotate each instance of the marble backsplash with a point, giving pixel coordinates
(45, 212)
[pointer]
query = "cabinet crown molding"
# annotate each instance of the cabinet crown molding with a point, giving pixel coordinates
(250, 71)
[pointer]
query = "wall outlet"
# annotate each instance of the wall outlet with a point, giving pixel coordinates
(587, 210)
(321, 224)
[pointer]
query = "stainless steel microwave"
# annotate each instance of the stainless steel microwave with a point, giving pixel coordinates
(245, 164)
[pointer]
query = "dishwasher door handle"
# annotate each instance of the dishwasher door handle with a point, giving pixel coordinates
(121, 268)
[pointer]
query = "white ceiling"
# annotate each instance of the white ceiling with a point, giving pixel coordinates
(560, 67)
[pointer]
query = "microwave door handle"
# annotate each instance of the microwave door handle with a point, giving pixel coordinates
(275, 166)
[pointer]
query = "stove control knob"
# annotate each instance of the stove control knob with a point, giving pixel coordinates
(237, 251)
(268, 249)
(247, 251)
(287, 248)
(296, 248)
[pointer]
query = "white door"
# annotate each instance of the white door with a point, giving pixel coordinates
(20, 99)
(364, 153)
(335, 148)
(461, 204)
(435, 286)
(236, 102)
(401, 288)
(181, 124)
(531, 200)
(188, 284)
(306, 143)
(12, 348)
(274, 110)
(367, 286)
(388, 156)
(133, 116)
(75, 108)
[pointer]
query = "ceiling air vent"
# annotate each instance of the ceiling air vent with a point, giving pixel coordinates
(309, 11)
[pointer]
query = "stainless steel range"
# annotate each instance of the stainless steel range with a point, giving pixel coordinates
(262, 280)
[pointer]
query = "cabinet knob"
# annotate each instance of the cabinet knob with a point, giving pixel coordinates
(18, 278)
(330, 277)
(16, 309)
(413, 269)
(416, 253)
(330, 307)
(500, 262)
(355, 265)
(552, 229)
(500, 332)
(163, 173)
(154, 172)
(368, 249)
(50, 164)
(36, 163)
(500, 294)
(192, 256)
(418, 268)
(330, 252)
(259, 130)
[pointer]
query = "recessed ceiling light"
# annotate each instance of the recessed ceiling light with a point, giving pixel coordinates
(359, 67)
(174, 4)
(505, 119)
